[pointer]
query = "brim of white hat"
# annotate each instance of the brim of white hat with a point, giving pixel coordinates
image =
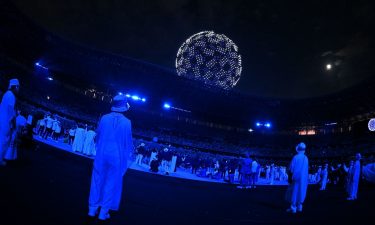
(119, 109)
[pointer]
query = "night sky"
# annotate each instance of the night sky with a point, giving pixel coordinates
(284, 46)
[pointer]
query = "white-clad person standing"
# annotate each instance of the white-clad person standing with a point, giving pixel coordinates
(7, 117)
(353, 178)
(324, 175)
(21, 122)
(79, 139)
(89, 145)
(298, 181)
(114, 146)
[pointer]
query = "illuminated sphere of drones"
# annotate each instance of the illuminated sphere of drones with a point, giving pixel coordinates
(371, 125)
(210, 58)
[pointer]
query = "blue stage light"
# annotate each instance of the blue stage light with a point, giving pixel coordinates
(120, 93)
(50, 78)
(135, 98)
(143, 100)
(167, 106)
(128, 96)
(258, 124)
(40, 66)
(268, 125)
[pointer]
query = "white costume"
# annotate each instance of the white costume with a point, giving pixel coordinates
(49, 122)
(114, 145)
(268, 170)
(354, 177)
(79, 139)
(42, 125)
(30, 119)
(7, 114)
(173, 163)
(153, 157)
(318, 174)
(89, 146)
(299, 168)
(11, 153)
(54, 125)
(324, 175)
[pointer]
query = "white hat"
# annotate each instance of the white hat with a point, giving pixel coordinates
(120, 104)
(13, 82)
(301, 147)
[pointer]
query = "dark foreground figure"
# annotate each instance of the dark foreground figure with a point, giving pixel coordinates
(50, 186)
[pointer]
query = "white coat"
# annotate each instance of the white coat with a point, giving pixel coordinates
(79, 140)
(11, 153)
(114, 145)
(353, 174)
(89, 145)
(299, 167)
(324, 175)
(7, 114)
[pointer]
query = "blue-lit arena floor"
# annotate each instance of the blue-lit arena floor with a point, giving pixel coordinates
(50, 187)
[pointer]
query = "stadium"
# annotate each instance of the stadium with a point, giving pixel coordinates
(213, 87)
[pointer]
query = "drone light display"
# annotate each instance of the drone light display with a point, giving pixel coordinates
(210, 58)
(371, 124)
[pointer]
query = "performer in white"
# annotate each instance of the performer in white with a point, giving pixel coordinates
(299, 168)
(79, 139)
(42, 126)
(154, 155)
(11, 153)
(354, 176)
(324, 175)
(268, 171)
(89, 146)
(318, 174)
(72, 133)
(140, 152)
(254, 173)
(55, 124)
(272, 173)
(49, 123)
(7, 117)
(165, 160)
(114, 145)
(57, 131)
(173, 162)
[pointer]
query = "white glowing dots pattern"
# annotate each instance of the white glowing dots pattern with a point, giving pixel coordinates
(371, 124)
(210, 58)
